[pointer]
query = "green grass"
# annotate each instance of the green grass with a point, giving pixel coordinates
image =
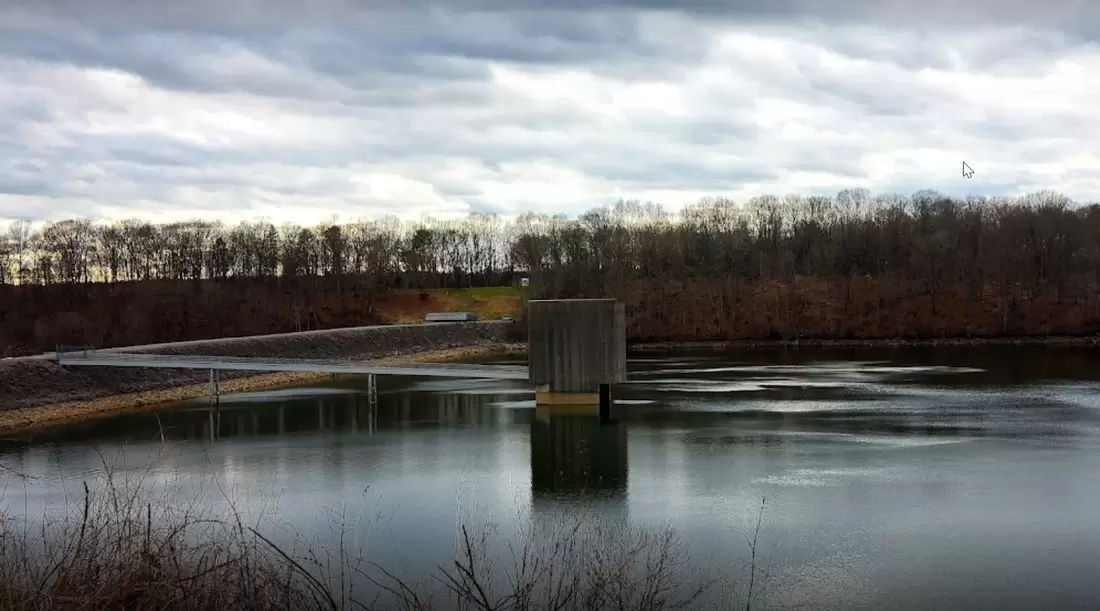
(481, 291)
(488, 302)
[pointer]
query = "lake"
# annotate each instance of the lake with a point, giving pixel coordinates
(890, 478)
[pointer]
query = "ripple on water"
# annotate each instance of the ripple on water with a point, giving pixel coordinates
(840, 368)
(731, 386)
(824, 477)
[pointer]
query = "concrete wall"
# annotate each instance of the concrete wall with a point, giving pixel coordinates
(574, 345)
(30, 381)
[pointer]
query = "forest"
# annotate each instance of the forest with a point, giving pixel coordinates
(850, 265)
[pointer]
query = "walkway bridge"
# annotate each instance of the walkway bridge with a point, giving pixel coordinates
(93, 358)
(87, 357)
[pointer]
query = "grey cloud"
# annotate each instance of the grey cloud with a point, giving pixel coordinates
(198, 63)
(215, 13)
(21, 187)
(487, 207)
(396, 41)
(28, 166)
(409, 93)
(673, 175)
(714, 132)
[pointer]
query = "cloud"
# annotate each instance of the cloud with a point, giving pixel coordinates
(248, 109)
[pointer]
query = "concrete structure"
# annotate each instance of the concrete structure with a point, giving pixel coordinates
(450, 317)
(574, 347)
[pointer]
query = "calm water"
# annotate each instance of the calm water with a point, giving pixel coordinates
(912, 478)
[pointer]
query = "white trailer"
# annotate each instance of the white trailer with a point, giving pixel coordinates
(450, 317)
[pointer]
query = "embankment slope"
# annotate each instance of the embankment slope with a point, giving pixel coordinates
(31, 382)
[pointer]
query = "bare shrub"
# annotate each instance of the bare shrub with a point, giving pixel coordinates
(120, 548)
(579, 563)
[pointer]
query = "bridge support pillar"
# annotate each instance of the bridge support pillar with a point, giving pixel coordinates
(372, 389)
(605, 403)
(575, 347)
(215, 391)
(214, 412)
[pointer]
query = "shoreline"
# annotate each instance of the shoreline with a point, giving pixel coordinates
(21, 421)
(17, 422)
(764, 344)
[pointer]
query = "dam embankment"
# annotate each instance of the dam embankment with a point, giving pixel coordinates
(30, 382)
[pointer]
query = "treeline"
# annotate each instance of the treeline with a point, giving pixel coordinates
(1038, 241)
(442, 253)
(851, 265)
(1041, 240)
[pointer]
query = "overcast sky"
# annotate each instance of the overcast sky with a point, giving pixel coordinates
(234, 109)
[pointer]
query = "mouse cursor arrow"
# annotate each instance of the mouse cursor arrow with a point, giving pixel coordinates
(968, 171)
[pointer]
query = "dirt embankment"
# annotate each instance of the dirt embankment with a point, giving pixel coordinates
(35, 318)
(36, 392)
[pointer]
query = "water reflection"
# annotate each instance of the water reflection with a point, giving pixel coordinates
(310, 410)
(894, 478)
(571, 452)
(575, 453)
(340, 413)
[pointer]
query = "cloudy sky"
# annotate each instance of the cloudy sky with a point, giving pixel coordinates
(303, 110)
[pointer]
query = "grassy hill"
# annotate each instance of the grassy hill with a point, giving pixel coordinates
(410, 305)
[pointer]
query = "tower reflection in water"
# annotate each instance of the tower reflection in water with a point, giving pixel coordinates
(574, 456)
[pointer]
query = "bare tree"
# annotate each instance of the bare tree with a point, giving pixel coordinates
(19, 240)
